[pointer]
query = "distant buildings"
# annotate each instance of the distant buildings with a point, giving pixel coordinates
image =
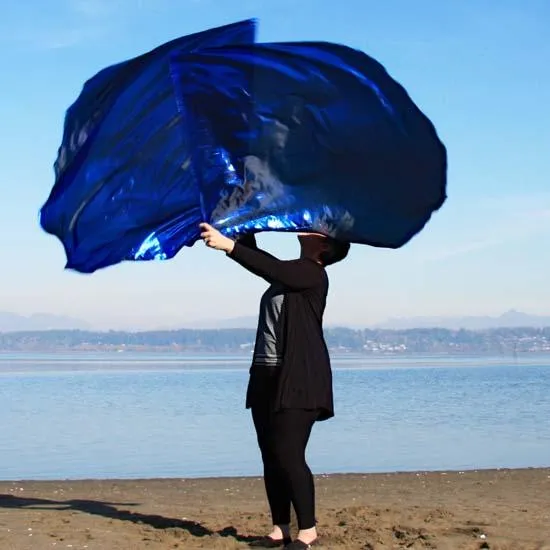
(339, 340)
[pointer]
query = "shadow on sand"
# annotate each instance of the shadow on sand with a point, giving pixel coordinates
(110, 510)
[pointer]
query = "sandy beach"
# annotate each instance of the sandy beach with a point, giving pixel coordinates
(496, 509)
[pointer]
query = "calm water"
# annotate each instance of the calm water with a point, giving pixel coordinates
(125, 416)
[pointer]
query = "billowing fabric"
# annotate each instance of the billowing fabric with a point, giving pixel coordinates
(309, 136)
(250, 137)
(123, 166)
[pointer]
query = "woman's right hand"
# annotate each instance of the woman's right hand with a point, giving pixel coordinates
(214, 239)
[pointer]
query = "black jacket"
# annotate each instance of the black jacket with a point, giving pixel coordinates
(304, 380)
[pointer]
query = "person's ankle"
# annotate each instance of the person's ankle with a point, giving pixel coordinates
(307, 535)
(280, 532)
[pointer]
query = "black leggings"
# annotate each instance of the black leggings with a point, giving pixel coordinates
(283, 437)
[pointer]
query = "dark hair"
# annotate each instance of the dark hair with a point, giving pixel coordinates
(335, 252)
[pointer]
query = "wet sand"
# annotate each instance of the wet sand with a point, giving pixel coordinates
(495, 509)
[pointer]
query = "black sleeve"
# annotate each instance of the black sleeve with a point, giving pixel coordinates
(293, 274)
(248, 240)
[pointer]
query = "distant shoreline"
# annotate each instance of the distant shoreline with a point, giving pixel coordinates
(185, 353)
(205, 356)
(504, 341)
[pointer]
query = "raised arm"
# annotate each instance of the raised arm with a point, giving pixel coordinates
(294, 274)
(248, 240)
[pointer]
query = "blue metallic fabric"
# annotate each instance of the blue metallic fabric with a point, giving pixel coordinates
(312, 137)
(123, 168)
(251, 137)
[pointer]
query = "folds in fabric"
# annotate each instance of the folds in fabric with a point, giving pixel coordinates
(251, 137)
(124, 183)
(309, 136)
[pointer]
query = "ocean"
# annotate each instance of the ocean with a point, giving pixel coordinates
(136, 415)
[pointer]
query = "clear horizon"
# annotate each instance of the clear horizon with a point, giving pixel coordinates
(479, 72)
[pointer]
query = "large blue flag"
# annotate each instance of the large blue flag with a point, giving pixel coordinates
(250, 137)
(309, 136)
(123, 166)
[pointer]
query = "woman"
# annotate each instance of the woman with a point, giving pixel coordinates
(290, 383)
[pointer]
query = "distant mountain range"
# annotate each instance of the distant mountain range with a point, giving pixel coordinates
(510, 319)
(12, 322)
(249, 321)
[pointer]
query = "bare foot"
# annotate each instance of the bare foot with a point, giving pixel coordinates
(307, 536)
(280, 532)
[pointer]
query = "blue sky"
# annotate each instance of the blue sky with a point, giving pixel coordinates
(478, 68)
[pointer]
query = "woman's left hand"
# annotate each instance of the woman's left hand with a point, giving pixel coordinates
(214, 239)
